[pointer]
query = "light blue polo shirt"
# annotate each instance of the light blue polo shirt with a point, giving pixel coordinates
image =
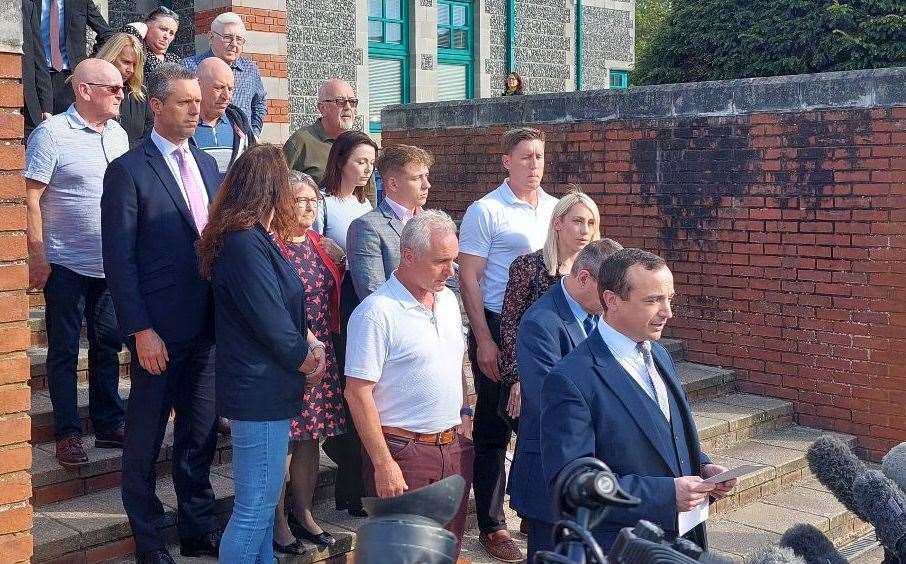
(71, 159)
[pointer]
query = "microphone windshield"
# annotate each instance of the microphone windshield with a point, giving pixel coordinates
(811, 545)
(775, 555)
(885, 507)
(835, 466)
(894, 465)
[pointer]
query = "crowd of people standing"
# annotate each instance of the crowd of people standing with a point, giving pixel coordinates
(264, 292)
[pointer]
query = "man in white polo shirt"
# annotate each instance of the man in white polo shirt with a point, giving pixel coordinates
(404, 378)
(510, 221)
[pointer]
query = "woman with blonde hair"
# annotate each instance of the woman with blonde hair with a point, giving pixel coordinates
(575, 223)
(125, 52)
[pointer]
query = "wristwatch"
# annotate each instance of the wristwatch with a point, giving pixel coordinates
(467, 411)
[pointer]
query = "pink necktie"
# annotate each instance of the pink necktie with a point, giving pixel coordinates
(193, 191)
(56, 56)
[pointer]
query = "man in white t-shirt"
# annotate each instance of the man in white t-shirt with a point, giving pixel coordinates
(404, 382)
(512, 220)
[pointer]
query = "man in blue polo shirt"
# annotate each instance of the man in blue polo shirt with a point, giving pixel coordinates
(223, 130)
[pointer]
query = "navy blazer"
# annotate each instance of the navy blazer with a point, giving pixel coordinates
(149, 246)
(590, 406)
(260, 326)
(547, 332)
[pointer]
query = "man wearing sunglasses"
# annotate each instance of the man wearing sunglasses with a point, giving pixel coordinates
(308, 148)
(65, 161)
(226, 40)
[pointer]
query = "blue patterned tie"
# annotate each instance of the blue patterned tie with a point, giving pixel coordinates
(589, 324)
(657, 390)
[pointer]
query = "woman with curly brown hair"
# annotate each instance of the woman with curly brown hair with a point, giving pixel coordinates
(265, 354)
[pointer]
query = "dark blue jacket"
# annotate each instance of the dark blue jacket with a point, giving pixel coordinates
(260, 327)
(547, 332)
(149, 246)
(590, 406)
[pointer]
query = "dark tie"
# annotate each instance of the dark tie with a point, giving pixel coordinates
(589, 324)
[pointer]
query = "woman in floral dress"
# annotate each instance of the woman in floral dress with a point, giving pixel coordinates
(320, 263)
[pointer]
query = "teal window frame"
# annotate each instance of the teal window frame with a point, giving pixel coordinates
(463, 56)
(619, 79)
(396, 51)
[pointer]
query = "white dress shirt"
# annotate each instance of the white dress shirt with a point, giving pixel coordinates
(628, 355)
(166, 148)
(402, 214)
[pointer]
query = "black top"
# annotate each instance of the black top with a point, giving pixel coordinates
(35, 75)
(260, 328)
(135, 118)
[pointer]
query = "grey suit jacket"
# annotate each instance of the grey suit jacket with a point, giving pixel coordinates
(373, 248)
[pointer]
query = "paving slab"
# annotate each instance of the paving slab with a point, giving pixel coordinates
(817, 502)
(55, 537)
(801, 438)
(737, 539)
(753, 451)
(774, 519)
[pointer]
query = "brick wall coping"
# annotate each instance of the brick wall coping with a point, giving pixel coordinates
(850, 89)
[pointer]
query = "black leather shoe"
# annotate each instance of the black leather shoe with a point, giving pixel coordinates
(296, 547)
(300, 532)
(205, 545)
(111, 439)
(154, 557)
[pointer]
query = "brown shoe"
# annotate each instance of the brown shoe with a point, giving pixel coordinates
(111, 439)
(501, 546)
(523, 527)
(71, 452)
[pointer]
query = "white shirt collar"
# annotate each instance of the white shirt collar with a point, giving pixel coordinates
(403, 295)
(578, 311)
(508, 196)
(619, 344)
(403, 214)
(166, 147)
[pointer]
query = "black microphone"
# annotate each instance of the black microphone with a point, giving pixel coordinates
(884, 505)
(811, 545)
(775, 555)
(835, 466)
(894, 465)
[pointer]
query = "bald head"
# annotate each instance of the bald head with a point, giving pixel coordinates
(215, 78)
(337, 118)
(98, 88)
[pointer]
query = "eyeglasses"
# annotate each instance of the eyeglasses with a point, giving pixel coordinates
(112, 89)
(305, 202)
(237, 39)
(162, 10)
(341, 102)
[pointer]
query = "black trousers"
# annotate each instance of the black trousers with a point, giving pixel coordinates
(491, 434)
(63, 96)
(186, 387)
(346, 449)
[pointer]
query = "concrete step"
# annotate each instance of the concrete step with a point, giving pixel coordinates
(727, 419)
(41, 412)
(703, 382)
(53, 483)
(782, 452)
(38, 357)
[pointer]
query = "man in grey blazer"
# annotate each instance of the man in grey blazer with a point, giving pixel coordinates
(373, 240)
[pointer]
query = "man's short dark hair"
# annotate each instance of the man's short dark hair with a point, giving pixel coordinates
(516, 136)
(613, 275)
(163, 79)
(593, 256)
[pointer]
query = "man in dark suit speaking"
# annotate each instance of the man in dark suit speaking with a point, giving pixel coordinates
(618, 397)
(154, 206)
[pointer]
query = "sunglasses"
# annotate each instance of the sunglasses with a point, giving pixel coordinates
(340, 102)
(164, 11)
(112, 89)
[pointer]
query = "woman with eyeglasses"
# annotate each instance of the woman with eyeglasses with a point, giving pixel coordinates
(163, 23)
(125, 52)
(320, 263)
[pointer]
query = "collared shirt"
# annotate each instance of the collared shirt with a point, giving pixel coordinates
(45, 33)
(402, 214)
(413, 354)
(70, 158)
(578, 312)
(500, 227)
(307, 150)
(166, 149)
(249, 94)
(626, 351)
(217, 141)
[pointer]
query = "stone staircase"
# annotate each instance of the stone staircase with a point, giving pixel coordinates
(79, 516)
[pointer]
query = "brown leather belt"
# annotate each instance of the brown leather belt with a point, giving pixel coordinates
(441, 438)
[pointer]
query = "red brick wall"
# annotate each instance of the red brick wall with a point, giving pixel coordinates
(786, 234)
(15, 396)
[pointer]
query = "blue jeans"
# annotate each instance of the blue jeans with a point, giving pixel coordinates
(259, 456)
(71, 297)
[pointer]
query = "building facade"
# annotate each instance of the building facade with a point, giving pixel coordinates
(400, 51)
